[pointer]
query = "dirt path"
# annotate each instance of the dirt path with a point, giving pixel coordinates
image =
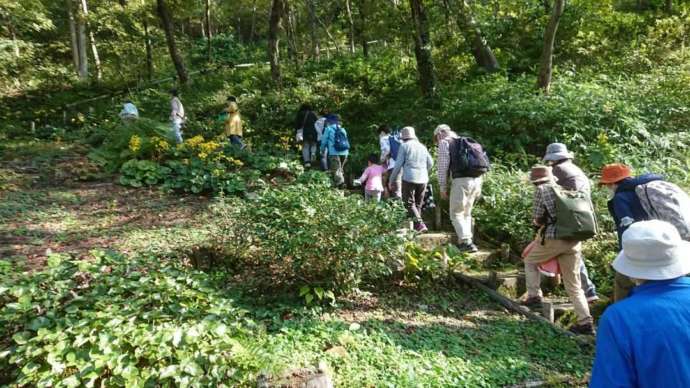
(52, 199)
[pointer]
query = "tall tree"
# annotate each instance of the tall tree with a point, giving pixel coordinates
(81, 46)
(483, 55)
(546, 62)
(147, 46)
(209, 34)
(92, 41)
(481, 51)
(315, 46)
(73, 35)
(351, 24)
(669, 6)
(274, 40)
(362, 26)
(422, 48)
(168, 27)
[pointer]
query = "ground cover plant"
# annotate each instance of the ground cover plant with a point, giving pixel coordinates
(74, 323)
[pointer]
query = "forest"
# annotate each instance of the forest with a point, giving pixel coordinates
(128, 258)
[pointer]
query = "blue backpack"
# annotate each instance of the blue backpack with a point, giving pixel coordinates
(395, 142)
(340, 142)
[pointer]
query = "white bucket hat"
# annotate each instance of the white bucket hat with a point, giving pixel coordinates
(653, 250)
(407, 133)
(557, 151)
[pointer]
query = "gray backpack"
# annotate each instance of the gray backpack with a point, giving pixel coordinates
(666, 202)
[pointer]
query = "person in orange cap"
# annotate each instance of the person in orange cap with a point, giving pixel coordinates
(625, 208)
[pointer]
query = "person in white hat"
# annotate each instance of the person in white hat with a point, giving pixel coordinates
(571, 177)
(414, 163)
(644, 340)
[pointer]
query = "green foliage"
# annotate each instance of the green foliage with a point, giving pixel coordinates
(118, 321)
(309, 235)
(504, 211)
(138, 173)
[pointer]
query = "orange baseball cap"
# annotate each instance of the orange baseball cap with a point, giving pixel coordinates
(614, 173)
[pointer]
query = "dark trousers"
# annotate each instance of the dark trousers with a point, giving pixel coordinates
(413, 197)
(236, 141)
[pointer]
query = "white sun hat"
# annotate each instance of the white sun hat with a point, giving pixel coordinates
(653, 250)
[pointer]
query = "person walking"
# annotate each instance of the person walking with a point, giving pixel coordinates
(625, 209)
(567, 252)
(372, 177)
(643, 341)
(305, 133)
(571, 177)
(177, 115)
(414, 162)
(335, 142)
(464, 189)
(233, 124)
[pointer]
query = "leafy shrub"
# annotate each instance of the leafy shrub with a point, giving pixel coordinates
(118, 321)
(309, 235)
(505, 210)
(138, 173)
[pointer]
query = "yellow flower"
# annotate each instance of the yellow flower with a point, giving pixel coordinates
(194, 141)
(203, 155)
(160, 144)
(134, 143)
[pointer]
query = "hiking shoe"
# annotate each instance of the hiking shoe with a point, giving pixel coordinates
(532, 302)
(420, 227)
(592, 298)
(582, 328)
(467, 247)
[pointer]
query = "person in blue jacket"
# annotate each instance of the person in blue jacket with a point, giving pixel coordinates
(625, 208)
(644, 340)
(335, 144)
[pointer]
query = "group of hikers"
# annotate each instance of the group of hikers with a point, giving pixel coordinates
(232, 121)
(643, 338)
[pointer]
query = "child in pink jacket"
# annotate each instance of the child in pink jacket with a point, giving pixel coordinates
(373, 177)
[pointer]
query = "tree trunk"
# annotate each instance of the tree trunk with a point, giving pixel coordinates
(288, 16)
(252, 31)
(209, 34)
(149, 50)
(546, 62)
(363, 36)
(92, 41)
(351, 23)
(669, 6)
(13, 37)
(81, 45)
(315, 49)
(166, 20)
(422, 49)
(483, 55)
(73, 35)
(547, 6)
(274, 40)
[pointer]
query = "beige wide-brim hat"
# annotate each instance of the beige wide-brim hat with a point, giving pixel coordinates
(541, 174)
(653, 250)
(407, 133)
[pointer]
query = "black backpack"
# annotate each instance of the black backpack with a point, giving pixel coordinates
(470, 157)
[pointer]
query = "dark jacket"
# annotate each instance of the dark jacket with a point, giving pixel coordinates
(625, 206)
(305, 120)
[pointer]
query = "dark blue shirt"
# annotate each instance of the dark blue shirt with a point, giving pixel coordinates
(626, 205)
(644, 340)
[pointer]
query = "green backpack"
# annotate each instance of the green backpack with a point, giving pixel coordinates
(575, 219)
